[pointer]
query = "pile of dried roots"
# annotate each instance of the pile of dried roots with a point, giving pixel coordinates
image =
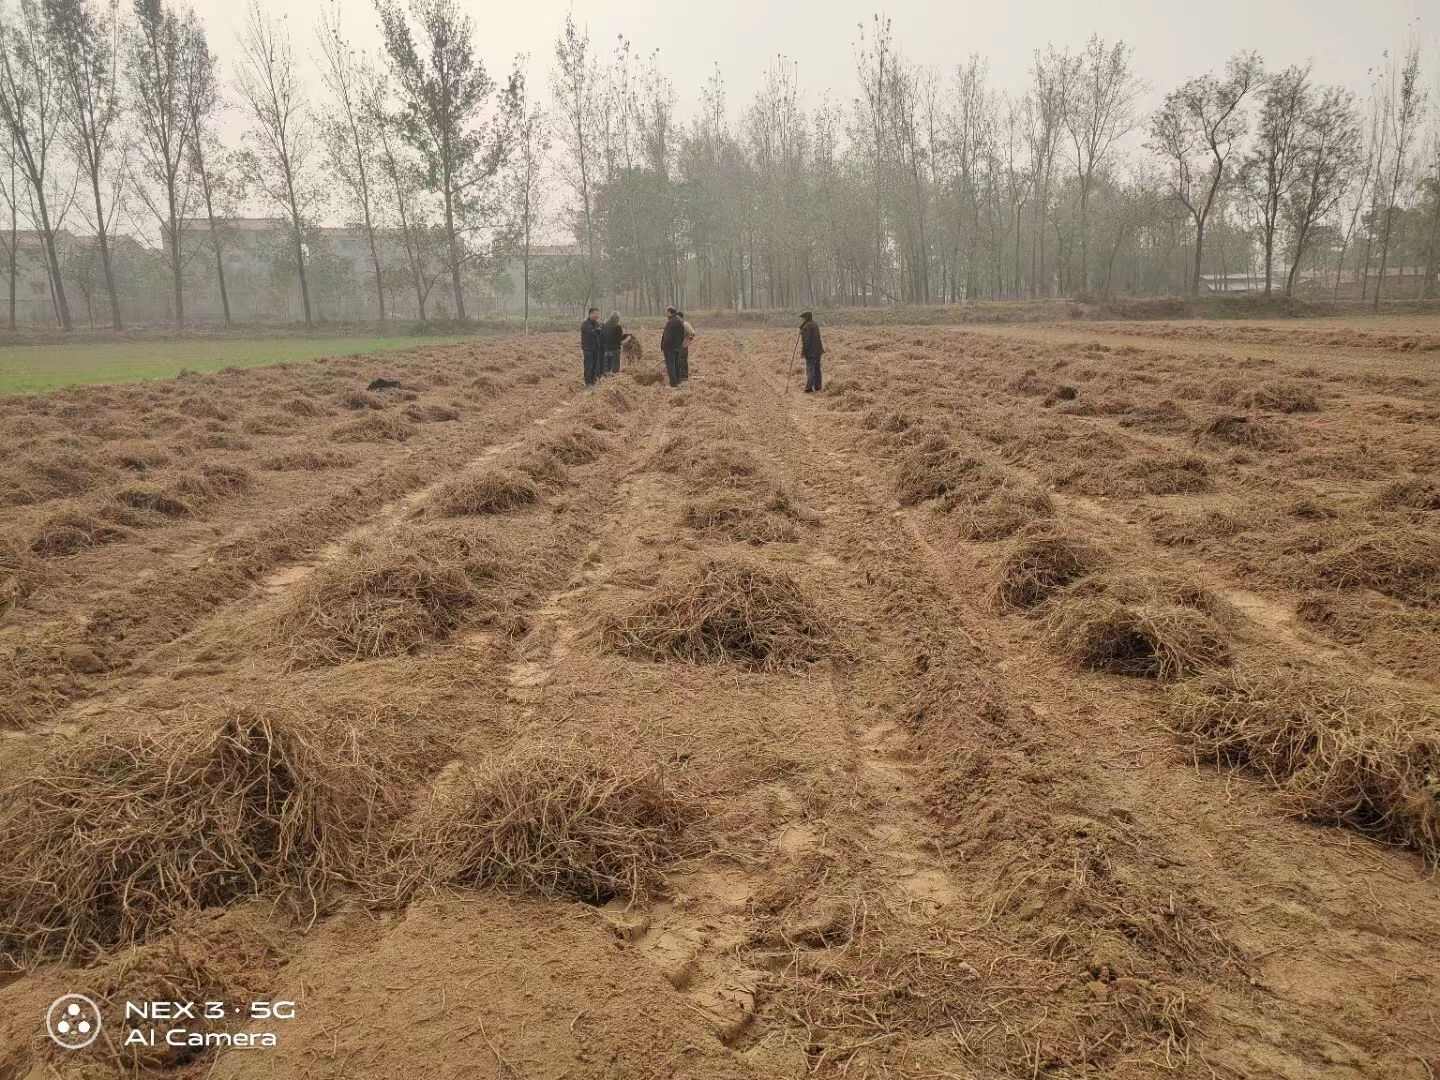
(1342, 752)
(388, 595)
(1038, 562)
(115, 833)
(566, 821)
(723, 611)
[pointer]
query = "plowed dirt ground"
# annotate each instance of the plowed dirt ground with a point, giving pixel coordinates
(1034, 701)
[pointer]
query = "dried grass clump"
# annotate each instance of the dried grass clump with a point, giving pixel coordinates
(1037, 564)
(1140, 586)
(1255, 433)
(602, 419)
(1004, 512)
(269, 423)
(933, 470)
(619, 398)
(1412, 493)
(19, 572)
(361, 399)
(119, 830)
(389, 595)
(71, 532)
(645, 377)
(374, 427)
(430, 414)
(203, 407)
(213, 481)
(150, 502)
(578, 446)
(712, 465)
(226, 478)
(307, 461)
(488, 492)
(1163, 417)
(738, 516)
(222, 440)
(1342, 752)
(1400, 562)
(1173, 474)
(1028, 383)
(300, 406)
(543, 467)
(1155, 641)
(560, 821)
(138, 457)
(723, 612)
(54, 474)
(1281, 395)
(890, 421)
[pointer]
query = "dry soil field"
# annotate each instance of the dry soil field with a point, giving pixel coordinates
(1035, 701)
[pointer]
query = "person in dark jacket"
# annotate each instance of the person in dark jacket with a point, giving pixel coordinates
(612, 335)
(670, 343)
(590, 345)
(813, 348)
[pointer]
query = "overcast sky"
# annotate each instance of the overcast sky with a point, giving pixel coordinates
(1172, 40)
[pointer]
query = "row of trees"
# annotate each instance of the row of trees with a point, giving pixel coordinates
(114, 117)
(99, 114)
(924, 187)
(931, 187)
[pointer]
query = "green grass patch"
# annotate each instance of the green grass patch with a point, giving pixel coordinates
(33, 369)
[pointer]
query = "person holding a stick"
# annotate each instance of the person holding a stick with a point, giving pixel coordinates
(813, 348)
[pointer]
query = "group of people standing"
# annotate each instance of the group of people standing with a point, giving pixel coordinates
(602, 343)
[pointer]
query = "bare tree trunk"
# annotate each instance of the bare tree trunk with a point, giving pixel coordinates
(375, 261)
(1199, 255)
(1295, 265)
(1269, 256)
(104, 242)
(175, 259)
(304, 281)
(452, 242)
(62, 305)
(214, 229)
(392, 167)
(1365, 268)
(299, 246)
(14, 239)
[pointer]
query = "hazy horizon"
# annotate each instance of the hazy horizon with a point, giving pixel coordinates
(1170, 43)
